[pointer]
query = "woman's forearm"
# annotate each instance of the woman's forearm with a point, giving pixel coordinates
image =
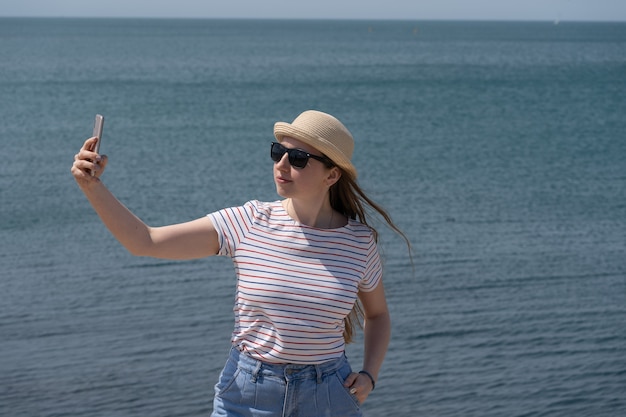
(127, 228)
(377, 333)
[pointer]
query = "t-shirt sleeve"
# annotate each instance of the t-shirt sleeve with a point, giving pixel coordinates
(373, 273)
(232, 224)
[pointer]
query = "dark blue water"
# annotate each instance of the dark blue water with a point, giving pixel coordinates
(498, 147)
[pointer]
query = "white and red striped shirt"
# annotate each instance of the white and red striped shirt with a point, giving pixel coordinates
(295, 284)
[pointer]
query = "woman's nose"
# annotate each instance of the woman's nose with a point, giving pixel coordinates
(284, 162)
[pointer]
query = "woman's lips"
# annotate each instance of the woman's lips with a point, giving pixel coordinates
(282, 180)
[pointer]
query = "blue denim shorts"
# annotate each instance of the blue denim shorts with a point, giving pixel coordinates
(251, 388)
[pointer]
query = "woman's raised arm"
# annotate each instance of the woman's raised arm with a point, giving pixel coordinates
(190, 240)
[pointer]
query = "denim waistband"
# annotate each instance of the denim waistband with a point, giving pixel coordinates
(288, 371)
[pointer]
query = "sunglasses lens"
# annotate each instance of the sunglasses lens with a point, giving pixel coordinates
(277, 152)
(297, 158)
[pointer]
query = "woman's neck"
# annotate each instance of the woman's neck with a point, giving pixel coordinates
(314, 214)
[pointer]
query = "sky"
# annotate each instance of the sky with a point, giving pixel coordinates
(562, 10)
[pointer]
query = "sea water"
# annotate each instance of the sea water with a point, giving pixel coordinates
(498, 147)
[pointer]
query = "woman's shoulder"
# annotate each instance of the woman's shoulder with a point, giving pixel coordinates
(358, 231)
(265, 206)
(358, 226)
(264, 209)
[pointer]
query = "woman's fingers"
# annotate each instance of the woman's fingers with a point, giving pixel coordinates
(83, 167)
(359, 385)
(89, 144)
(98, 166)
(350, 379)
(88, 165)
(87, 151)
(103, 162)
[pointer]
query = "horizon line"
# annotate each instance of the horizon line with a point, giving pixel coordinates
(356, 19)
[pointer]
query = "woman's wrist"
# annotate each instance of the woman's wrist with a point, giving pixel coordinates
(367, 374)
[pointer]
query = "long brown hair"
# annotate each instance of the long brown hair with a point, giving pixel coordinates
(347, 197)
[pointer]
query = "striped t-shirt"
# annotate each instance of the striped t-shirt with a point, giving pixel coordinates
(295, 284)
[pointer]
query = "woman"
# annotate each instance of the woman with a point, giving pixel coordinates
(302, 263)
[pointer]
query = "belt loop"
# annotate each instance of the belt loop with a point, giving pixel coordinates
(319, 373)
(257, 369)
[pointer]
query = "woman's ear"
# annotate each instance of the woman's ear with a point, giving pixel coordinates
(333, 176)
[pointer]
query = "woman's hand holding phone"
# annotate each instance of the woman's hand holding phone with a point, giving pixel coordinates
(88, 163)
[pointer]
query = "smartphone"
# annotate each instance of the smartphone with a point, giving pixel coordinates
(97, 132)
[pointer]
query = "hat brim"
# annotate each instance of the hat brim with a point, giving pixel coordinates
(282, 130)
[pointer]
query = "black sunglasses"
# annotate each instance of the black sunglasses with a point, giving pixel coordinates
(297, 157)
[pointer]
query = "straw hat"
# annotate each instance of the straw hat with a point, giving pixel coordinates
(323, 132)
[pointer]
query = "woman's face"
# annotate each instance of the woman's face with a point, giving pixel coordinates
(308, 183)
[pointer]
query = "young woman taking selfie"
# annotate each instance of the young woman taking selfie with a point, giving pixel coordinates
(308, 271)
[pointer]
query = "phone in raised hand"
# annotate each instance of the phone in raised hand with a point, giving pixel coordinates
(97, 132)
